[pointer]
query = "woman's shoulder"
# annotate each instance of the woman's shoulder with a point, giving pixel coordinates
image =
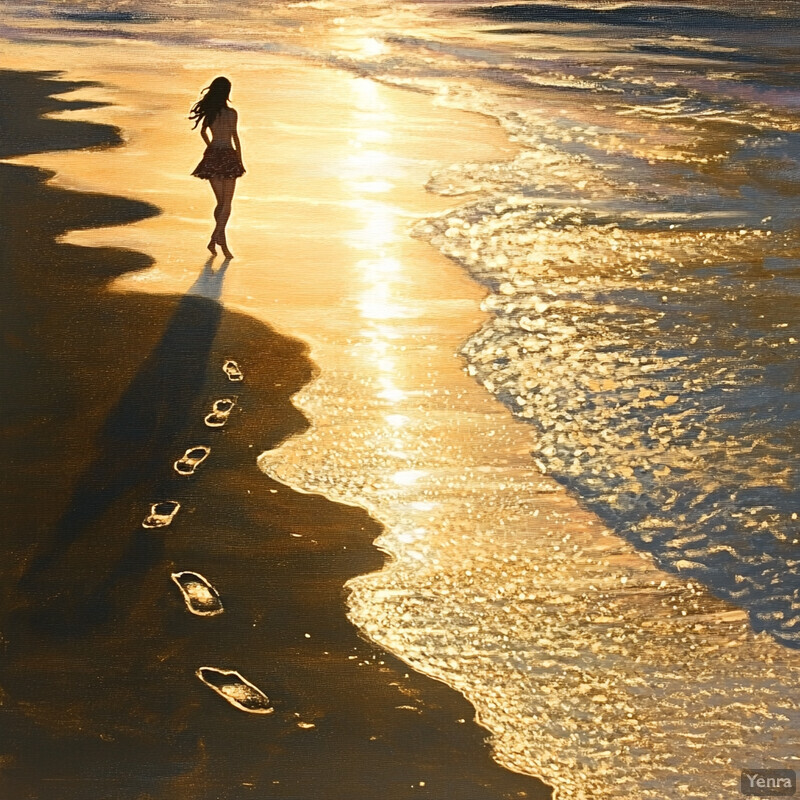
(230, 112)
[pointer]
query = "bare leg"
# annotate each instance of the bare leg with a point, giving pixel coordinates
(216, 185)
(224, 206)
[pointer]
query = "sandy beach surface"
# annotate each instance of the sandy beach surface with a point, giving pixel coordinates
(370, 514)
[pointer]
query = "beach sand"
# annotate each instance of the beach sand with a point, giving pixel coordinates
(108, 387)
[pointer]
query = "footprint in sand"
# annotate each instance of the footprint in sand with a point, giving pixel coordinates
(161, 514)
(238, 691)
(200, 596)
(220, 412)
(231, 369)
(191, 459)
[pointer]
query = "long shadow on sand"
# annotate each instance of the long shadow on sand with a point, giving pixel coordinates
(106, 391)
(133, 449)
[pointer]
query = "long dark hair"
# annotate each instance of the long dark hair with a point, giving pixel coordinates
(215, 98)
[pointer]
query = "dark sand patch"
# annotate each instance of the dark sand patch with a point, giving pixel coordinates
(99, 694)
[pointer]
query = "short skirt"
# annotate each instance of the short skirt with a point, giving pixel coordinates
(219, 162)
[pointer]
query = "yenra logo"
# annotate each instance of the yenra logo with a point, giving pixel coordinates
(768, 782)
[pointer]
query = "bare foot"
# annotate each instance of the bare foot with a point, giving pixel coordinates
(211, 246)
(223, 243)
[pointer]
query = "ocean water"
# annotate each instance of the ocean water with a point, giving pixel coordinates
(641, 254)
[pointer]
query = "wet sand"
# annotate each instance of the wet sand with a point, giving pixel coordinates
(108, 389)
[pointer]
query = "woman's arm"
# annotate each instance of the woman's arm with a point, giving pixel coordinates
(204, 134)
(235, 134)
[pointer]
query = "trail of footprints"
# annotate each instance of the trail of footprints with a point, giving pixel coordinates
(201, 598)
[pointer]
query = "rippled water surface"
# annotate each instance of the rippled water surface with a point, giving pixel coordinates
(641, 255)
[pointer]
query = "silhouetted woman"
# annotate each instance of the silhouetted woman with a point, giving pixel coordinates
(221, 164)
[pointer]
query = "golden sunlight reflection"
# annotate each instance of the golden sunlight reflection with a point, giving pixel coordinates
(371, 135)
(367, 95)
(377, 231)
(378, 335)
(373, 187)
(364, 163)
(377, 303)
(412, 536)
(408, 477)
(365, 172)
(380, 223)
(392, 394)
(384, 264)
(370, 46)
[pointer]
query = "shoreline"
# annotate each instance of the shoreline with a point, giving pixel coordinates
(83, 691)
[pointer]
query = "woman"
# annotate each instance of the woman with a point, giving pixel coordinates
(221, 164)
